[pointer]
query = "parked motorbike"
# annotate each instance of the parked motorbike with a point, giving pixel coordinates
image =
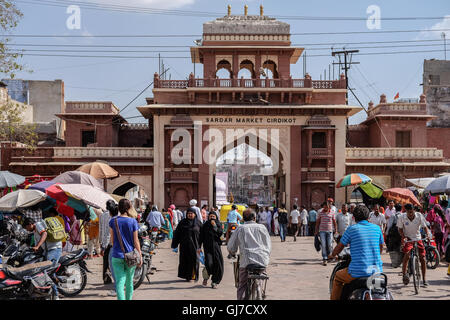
(364, 288)
(148, 247)
(32, 282)
(71, 277)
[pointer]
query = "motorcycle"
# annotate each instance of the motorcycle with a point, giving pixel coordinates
(32, 282)
(364, 288)
(71, 277)
(148, 246)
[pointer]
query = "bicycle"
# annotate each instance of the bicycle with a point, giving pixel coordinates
(431, 254)
(414, 266)
(256, 275)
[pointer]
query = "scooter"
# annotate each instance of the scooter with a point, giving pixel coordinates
(364, 288)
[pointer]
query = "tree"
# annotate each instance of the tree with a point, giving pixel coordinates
(12, 126)
(9, 18)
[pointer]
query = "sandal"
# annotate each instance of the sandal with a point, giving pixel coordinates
(205, 282)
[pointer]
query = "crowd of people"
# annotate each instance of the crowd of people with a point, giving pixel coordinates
(196, 235)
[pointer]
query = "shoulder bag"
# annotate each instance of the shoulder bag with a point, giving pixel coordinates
(132, 258)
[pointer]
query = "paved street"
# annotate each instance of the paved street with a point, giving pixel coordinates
(295, 271)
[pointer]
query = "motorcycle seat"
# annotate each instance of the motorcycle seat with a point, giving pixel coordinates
(70, 255)
(28, 270)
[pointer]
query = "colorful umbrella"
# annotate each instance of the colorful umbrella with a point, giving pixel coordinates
(372, 190)
(90, 195)
(21, 199)
(401, 195)
(78, 177)
(41, 186)
(352, 180)
(99, 170)
(9, 179)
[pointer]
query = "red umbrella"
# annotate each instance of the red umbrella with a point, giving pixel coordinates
(401, 195)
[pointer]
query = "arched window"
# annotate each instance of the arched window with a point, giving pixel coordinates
(223, 70)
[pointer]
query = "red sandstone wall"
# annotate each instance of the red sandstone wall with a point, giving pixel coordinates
(439, 138)
(133, 138)
(358, 137)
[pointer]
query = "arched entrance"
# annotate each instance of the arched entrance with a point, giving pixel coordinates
(264, 173)
(245, 175)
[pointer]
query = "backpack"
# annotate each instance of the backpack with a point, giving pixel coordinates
(282, 216)
(55, 230)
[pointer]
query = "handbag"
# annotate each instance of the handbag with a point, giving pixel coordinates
(132, 258)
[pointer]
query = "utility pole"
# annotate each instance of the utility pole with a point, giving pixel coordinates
(347, 64)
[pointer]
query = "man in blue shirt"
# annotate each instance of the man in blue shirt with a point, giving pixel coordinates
(232, 219)
(155, 218)
(366, 244)
(312, 218)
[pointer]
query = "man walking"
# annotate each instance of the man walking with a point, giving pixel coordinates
(303, 222)
(326, 223)
(293, 222)
(344, 219)
(312, 217)
(283, 221)
(377, 218)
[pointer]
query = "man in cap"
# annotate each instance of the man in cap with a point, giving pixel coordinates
(193, 204)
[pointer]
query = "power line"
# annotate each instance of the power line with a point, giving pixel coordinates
(188, 46)
(188, 57)
(199, 35)
(146, 10)
(187, 51)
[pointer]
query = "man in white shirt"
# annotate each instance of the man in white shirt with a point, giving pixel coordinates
(409, 225)
(262, 217)
(344, 219)
(303, 222)
(293, 221)
(390, 210)
(377, 218)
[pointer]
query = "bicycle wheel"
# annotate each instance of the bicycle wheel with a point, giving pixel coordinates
(415, 268)
(433, 258)
(256, 290)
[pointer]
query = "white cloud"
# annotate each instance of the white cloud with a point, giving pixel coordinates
(433, 33)
(151, 4)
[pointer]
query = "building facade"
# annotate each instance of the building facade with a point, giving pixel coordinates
(299, 123)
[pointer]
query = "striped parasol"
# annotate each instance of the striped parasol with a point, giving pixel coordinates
(353, 179)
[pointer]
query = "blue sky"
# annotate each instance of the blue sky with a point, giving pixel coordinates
(120, 80)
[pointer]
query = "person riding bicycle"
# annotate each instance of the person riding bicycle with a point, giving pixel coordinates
(409, 225)
(254, 244)
(366, 244)
(232, 219)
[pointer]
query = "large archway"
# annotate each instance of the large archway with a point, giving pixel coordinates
(266, 176)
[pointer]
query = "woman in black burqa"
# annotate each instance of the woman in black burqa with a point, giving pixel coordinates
(187, 236)
(210, 239)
